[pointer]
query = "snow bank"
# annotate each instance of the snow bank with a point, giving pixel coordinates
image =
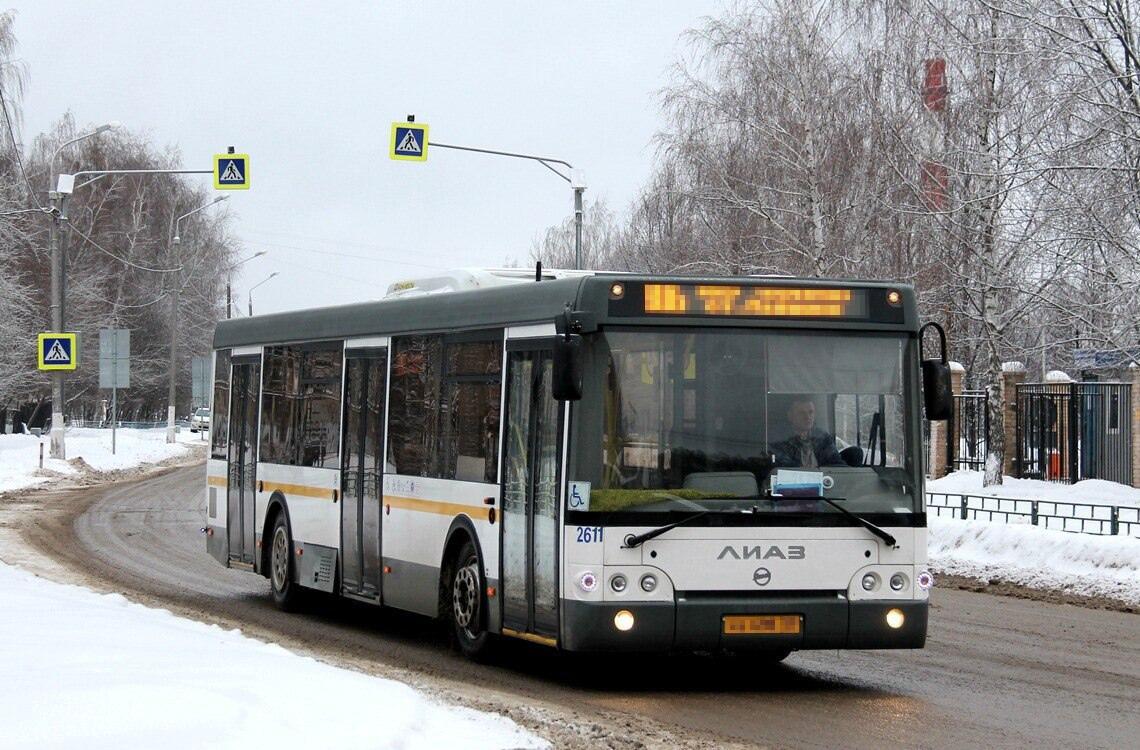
(1087, 564)
(19, 454)
(1096, 491)
(96, 671)
(1084, 564)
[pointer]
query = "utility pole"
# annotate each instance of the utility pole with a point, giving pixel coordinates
(58, 446)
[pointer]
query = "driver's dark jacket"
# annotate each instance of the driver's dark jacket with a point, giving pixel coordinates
(787, 452)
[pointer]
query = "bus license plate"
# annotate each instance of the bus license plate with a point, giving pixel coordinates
(762, 624)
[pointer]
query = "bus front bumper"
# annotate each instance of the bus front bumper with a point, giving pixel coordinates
(695, 622)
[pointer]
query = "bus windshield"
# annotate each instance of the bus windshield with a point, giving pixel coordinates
(740, 419)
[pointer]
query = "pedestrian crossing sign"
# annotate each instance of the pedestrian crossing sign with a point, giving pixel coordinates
(409, 141)
(57, 351)
(231, 171)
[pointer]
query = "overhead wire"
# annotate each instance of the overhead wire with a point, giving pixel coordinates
(335, 253)
(15, 147)
(124, 261)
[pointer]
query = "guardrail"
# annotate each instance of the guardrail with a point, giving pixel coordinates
(1082, 518)
(123, 424)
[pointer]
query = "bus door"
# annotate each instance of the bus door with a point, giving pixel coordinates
(362, 459)
(531, 468)
(241, 458)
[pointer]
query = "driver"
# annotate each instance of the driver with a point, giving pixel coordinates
(806, 447)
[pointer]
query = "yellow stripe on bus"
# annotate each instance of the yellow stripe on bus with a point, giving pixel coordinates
(435, 506)
(324, 493)
(216, 481)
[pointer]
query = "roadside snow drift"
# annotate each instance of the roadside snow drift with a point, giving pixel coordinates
(20, 454)
(1085, 564)
(96, 671)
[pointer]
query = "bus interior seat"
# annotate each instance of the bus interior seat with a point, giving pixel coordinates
(470, 468)
(734, 483)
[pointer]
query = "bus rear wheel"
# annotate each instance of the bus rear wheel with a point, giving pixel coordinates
(286, 592)
(467, 603)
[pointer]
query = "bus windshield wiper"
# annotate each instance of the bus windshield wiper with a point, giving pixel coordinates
(634, 540)
(877, 531)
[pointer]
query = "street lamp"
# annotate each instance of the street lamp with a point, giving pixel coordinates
(255, 286)
(229, 281)
(172, 391)
(58, 446)
(112, 125)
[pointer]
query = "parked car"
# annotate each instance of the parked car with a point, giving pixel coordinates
(200, 420)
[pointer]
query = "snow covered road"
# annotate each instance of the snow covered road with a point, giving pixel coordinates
(996, 671)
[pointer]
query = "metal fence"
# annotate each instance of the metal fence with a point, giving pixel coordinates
(1067, 432)
(1084, 518)
(966, 448)
(123, 424)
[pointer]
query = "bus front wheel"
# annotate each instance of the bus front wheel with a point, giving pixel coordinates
(468, 603)
(286, 592)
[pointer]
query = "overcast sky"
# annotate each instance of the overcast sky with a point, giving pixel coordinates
(311, 94)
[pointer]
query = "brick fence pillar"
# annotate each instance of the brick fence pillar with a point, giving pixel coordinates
(1012, 375)
(1134, 379)
(939, 431)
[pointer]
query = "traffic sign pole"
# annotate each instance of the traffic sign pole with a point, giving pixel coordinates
(409, 142)
(58, 446)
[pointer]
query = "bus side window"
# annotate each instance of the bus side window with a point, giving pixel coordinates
(220, 417)
(414, 403)
(470, 429)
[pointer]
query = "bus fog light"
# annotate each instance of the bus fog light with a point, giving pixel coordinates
(898, 581)
(870, 582)
(587, 581)
(896, 618)
(623, 620)
(925, 580)
(648, 582)
(618, 583)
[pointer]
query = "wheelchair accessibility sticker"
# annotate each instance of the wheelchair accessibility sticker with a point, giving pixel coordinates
(579, 497)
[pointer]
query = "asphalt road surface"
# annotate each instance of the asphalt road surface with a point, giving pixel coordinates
(996, 671)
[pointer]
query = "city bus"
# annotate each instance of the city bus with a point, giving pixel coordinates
(589, 461)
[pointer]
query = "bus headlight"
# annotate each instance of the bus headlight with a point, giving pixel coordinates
(898, 581)
(895, 618)
(618, 583)
(925, 580)
(870, 582)
(648, 582)
(587, 581)
(623, 620)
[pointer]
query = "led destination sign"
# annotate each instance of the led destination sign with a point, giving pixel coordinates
(710, 299)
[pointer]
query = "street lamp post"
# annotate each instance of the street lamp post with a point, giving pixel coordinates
(577, 183)
(255, 286)
(176, 287)
(55, 201)
(229, 280)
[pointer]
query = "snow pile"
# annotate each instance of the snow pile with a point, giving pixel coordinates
(1086, 564)
(1095, 491)
(96, 671)
(20, 454)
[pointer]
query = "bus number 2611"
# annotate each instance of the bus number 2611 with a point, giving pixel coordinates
(588, 534)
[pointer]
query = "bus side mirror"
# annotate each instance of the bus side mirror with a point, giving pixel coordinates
(936, 390)
(567, 377)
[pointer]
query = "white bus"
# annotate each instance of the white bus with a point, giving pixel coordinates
(588, 461)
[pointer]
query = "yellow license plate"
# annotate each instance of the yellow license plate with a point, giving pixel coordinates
(762, 624)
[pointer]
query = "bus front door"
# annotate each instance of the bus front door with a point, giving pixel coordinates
(362, 467)
(242, 459)
(531, 467)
